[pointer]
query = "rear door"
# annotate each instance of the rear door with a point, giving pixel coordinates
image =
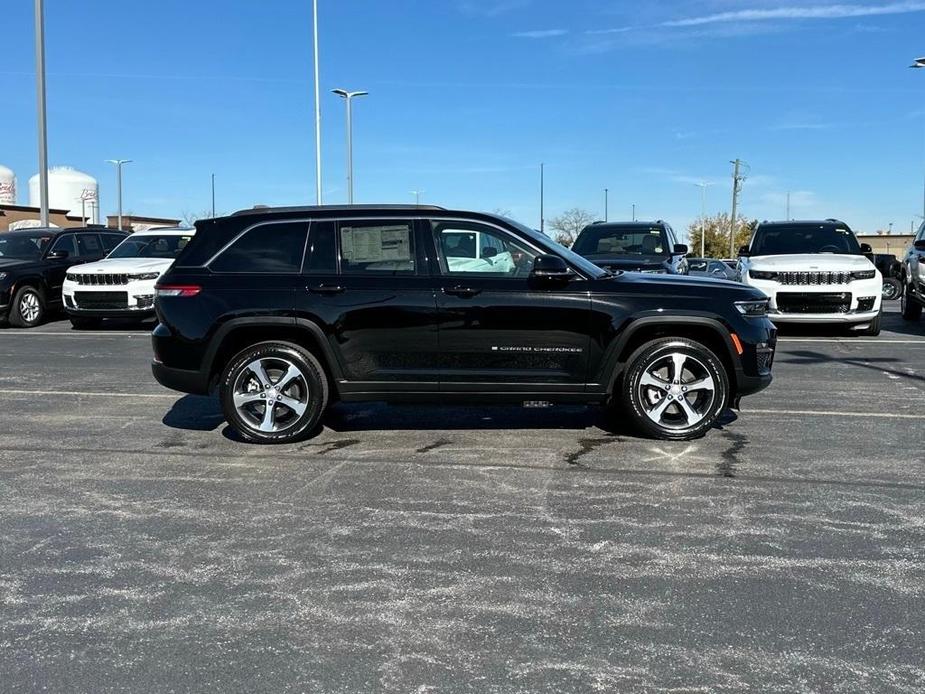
(498, 328)
(366, 284)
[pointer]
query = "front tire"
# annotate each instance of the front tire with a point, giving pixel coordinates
(28, 309)
(892, 288)
(274, 392)
(674, 389)
(872, 330)
(911, 310)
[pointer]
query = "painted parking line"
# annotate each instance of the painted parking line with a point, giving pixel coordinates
(850, 341)
(89, 394)
(832, 413)
(82, 333)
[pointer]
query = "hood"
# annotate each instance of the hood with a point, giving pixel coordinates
(16, 264)
(688, 286)
(125, 265)
(809, 262)
(631, 263)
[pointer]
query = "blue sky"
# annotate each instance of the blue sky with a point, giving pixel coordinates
(469, 96)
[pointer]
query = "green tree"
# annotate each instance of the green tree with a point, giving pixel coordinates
(717, 235)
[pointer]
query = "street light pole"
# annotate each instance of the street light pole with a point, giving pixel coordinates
(348, 97)
(606, 205)
(417, 197)
(40, 91)
(318, 196)
(542, 198)
(213, 196)
(918, 64)
(118, 164)
(634, 211)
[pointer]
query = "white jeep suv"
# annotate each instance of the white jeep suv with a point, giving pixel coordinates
(122, 284)
(814, 272)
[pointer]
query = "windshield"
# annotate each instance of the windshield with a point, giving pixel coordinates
(23, 246)
(610, 240)
(151, 246)
(802, 238)
(548, 244)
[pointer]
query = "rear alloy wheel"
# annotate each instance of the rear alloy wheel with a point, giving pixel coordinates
(274, 392)
(675, 389)
(892, 288)
(28, 308)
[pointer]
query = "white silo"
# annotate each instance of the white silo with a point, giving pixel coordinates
(69, 189)
(7, 186)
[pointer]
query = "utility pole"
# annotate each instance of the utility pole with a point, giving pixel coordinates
(542, 196)
(318, 196)
(118, 164)
(40, 91)
(736, 187)
(213, 196)
(606, 205)
(83, 210)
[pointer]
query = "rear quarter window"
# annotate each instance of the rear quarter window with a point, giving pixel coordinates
(265, 248)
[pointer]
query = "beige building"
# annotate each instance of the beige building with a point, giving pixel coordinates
(887, 243)
(13, 215)
(134, 222)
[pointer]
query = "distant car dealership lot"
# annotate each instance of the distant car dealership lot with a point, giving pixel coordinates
(462, 549)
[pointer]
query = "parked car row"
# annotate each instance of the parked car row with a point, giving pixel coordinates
(92, 272)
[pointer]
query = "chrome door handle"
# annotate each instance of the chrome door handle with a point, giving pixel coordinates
(326, 289)
(464, 292)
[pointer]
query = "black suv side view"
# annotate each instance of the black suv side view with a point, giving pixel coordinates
(650, 247)
(33, 263)
(286, 310)
(913, 277)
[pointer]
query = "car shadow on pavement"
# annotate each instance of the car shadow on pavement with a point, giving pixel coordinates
(195, 413)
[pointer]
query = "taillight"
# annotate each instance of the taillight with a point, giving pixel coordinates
(177, 289)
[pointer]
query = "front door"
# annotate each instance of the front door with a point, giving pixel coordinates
(366, 284)
(499, 327)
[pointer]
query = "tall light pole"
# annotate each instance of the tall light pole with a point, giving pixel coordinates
(213, 196)
(349, 97)
(634, 211)
(118, 164)
(40, 91)
(417, 196)
(606, 205)
(703, 185)
(542, 198)
(736, 188)
(317, 105)
(919, 64)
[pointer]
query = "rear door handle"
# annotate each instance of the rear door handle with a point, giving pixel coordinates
(462, 291)
(326, 289)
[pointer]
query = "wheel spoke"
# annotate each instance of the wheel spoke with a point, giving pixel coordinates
(678, 361)
(257, 368)
(692, 416)
(650, 379)
(703, 384)
(287, 378)
(655, 414)
(242, 399)
(268, 422)
(296, 406)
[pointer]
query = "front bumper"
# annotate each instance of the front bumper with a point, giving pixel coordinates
(855, 311)
(132, 300)
(849, 318)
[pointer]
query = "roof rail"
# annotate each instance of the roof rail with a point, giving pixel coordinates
(263, 209)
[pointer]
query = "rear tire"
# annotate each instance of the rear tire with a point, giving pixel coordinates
(28, 309)
(274, 392)
(892, 288)
(674, 389)
(911, 310)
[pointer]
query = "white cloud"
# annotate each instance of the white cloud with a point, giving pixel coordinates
(541, 34)
(837, 11)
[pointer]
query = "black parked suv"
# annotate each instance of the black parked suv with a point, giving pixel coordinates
(33, 263)
(650, 247)
(285, 310)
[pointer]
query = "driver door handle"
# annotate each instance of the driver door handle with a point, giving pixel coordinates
(326, 289)
(464, 292)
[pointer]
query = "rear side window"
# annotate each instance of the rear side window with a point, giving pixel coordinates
(267, 248)
(322, 249)
(89, 244)
(379, 247)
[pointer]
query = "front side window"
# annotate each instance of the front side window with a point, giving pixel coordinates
(23, 246)
(785, 239)
(65, 243)
(89, 245)
(376, 247)
(266, 248)
(608, 240)
(476, 249)
(151, 246)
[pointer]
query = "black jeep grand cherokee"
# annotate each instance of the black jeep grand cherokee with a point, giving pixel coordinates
(285, 310)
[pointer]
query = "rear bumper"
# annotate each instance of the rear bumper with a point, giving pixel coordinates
(180, 379)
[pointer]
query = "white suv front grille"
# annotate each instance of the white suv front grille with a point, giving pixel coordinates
(808, 279)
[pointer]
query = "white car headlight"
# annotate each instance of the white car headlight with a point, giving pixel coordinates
(145, 276)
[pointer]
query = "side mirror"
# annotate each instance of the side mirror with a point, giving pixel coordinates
(680, 249)
(58, 255)
(743, 252)
(866, 248)
(919, 245)
(550, 267)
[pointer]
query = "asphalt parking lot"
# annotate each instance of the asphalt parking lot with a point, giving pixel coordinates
(423, 549)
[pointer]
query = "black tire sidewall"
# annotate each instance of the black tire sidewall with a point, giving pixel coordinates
(897, 288)
(16, 318)
(644, 356)
(317, 386)
(911, 310)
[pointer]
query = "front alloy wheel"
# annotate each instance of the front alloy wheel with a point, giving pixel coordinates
(675, 389)
(274, 393)
(28, 308)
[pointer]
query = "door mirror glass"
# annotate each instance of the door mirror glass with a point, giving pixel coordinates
(744, 252)
(59, 254)
(680, 249)
(866, 248)
(920, 245)
(548, 266)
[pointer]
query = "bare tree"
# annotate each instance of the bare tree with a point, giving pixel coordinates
(569, 224)
(190, 218)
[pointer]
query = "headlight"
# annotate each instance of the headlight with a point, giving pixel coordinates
(753, 309)
(760, 275)
(864, 275)
(145, 276)
(70, 278)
